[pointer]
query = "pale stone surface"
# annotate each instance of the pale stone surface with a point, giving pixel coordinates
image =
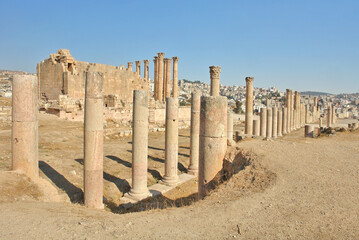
(289, 110)
(269, 123)
(213, 141)
(249, 106)
(329, 117)
(171, 142)
(155, 71)
(175, 77)
(139, 146)
(263, 122)
(309, 131)
(280, 123)
(93, 141)
(146, 69)
(297, 108)
(160, 76)
(307, 113)
(275, 122)
(256, 128)
(138, 67)
(168, 82)
(285, 121)
(24, 136)
(194, 141)
(215, 72)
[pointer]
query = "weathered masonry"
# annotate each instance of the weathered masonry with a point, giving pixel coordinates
(61, 74)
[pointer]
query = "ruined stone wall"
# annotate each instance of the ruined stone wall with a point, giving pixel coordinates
(61, 74)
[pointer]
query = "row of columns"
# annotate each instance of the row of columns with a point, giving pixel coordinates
(162, 77)
(138, 68)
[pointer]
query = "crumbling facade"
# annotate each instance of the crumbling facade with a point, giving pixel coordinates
(61, 74)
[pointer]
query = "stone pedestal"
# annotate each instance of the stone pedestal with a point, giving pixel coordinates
(275, 122)
(285, 121)
(138, 67)
(256, 128)
(249, 106)
(280, 123)
(93, 142)
(215, 72)
(160, 77)
(269, 123)
(263, 122)
(139, 188)
(213, 142)
(146, 71)
(230, 126)
(24, 135)
(175, 77)
(194, 141)
(171, 142)
(309, 131)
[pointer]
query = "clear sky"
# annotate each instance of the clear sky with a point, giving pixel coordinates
(302, 45)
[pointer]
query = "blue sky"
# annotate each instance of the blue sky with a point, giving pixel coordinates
(302, 45)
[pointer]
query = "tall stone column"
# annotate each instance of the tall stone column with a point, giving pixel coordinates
(160, 76)
(249, 105)
(24, 135)
(215, 72)
(263, 121)
(280, 123)
(138, 67)
(194, 141)
(285, 121)
(168, 81)
(288, 105)
(164, 78)
(175, 77)
(171, 142)
(155, 78)
(292, 110)
(297, 109)
(329, 117)
(295, 118)
(306, 113)
(213, 142)
(275, 122)
(269, 123)
(333, 115)
(146, 71)
(302, 115)
(129, 66)
(139, 188)
(230, 126)
(93, 142)
(256, 128)
(315, 110)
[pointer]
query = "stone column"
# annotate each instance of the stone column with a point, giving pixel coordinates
(320, 123)
(256, 128)
(306, 113)
(175, 77)
(194, 141)
(160, 76)
(292, 111)
(93, 141)
(315, 110)
(155, 78)
(168, 81)
(275, 122)
(129, 66)
(263, 121)
(302, 115)
(230, 126)
(146, 71)
(285, 121)
(139, 188)
(288, 105)
(297, 108)
(249, 106)
(309, 131)
(329, 117)
(295, 118)
(280, 123)
(269, 123)
(215, 72)
(171, 142)
(138, 67)
(333, 115)
(213, 142)
(24, 135)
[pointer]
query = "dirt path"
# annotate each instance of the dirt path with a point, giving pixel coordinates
(313, 196)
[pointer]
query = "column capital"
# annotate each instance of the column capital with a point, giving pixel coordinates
(161, 54)
(138, 62)
(215, 71)
(249, 79)
(146, 61)
(175, 59)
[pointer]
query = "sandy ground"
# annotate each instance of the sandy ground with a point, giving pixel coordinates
(294, 188)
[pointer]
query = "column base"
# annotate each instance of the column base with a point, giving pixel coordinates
(192, 171)
(170, 181)
(138, 196)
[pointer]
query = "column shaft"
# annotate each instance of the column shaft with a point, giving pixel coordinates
(175, 77)
(155, 78)
(249, 106)
(168, 78)
(215, 72)
(230, 126)
(280, 123)
(263, 121)
(256, 128)
(275, 122)
(285, 120)
(146, 71)
(160, 77)
(269, 123)
(194, 141)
